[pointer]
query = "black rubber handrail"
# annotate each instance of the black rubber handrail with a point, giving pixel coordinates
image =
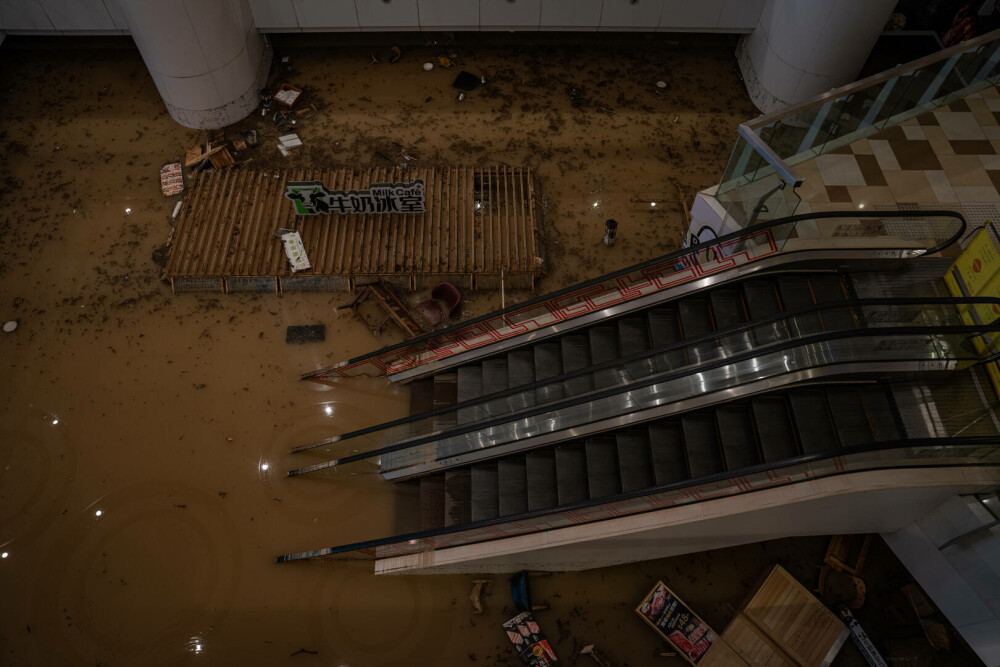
(666, 377)
(676, 255)
(652, 352)
(988, 441)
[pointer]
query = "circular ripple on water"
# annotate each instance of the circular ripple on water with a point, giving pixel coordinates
(381, 619)
(160, 563)
(37, 467)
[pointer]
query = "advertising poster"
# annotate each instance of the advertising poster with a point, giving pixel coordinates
(531, 646)
(678, 625)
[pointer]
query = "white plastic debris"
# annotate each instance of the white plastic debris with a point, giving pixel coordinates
(661, 84)
(289, 141)
(177, 209)
(295, 252)
(9, 326)
(428, 66)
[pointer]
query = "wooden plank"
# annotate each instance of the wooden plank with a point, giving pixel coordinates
(340, 233)
(211, 184)
(753, 645)
(392, 260)
(510, 233)
(234, 263)
(360, 226)
(187, 222)
(235, 206)
(211, 220)
(312, 230)
(434, 260)
(453, 219)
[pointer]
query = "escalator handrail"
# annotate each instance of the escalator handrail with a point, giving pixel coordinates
(903, 443)
(676, 255)
(678, 345)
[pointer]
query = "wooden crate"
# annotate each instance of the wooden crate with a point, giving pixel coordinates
(802, 626)
(753, 646)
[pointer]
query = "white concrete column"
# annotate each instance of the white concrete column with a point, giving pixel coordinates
(206, 57)
(802, 48)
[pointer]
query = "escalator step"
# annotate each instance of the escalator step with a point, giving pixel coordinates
(457, 494)
(666, 447)
(421, 400)
(762, 303)
(739, 446)
(702, 443)
(548, 363)
(634, 459)
(774, 428)
(521, 371)
(812, 421)
(604, 347)
(485, 491)
(445, 394)
(512, 475)
(696, 320)
(664, 330)
(470, 386)
(828, 288)
(728, 313)
(495, 379)
(540, 471)
(603, 474)
(576, 357)
(795, 294)
(849, 416)
(571, 474)
(432, 502)
(634, 335)
(880, 413)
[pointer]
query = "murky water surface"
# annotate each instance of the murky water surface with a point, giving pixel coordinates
(144, 435)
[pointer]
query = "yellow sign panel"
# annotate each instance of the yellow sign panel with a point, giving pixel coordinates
(978, 267)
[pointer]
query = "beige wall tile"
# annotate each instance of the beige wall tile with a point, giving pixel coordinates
(964, 170)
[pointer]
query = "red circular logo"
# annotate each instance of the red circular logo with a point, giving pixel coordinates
(996, 309)
(977, 266)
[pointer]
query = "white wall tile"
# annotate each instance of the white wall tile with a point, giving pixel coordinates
(312, 14)
(78, 14)
(273, 14)
(503, 14)
(631, 14)
(23, 15)
(382, 15)
(688, 14)
(448, 14)
(577, 14)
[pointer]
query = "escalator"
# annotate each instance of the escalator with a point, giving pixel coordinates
(728, 438)
(727, 384)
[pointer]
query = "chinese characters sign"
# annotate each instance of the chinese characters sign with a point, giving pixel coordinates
(313, 198)
(676, 623)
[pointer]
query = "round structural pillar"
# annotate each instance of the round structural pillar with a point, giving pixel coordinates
(206, 57)
(802, 48)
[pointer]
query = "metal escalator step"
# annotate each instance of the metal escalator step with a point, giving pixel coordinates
(603, 474)
(702, 444)
(634, 335)
(664, 330)
(548, 363)
(521, 371)
(728, 313)
(470, 386)
(795, 294)
(576, 357)
(571, 474)
(739, 445)
(666, 447)
(603, 348)
(828, 288)
(762, 303)
(421, 400)
(880, 413)
(634, 460)
(540, 471)
(432, 502)
(495, 379)
(774, 428)
(485, 491)
(812, 421)
(696, 320)
(445, 394)
(848, 410)
(457, 496)
(512, 476)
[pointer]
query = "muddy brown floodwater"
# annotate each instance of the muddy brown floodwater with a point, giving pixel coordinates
(143, 435)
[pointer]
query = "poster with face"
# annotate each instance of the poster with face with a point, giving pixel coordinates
(690, 635)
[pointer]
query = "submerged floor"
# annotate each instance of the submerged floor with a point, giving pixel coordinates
(143, 434)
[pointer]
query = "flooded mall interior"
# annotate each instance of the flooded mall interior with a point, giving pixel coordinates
(503, 332)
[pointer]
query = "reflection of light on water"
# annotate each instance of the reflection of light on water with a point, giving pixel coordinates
(328, 409)
(4, 554)
(411, 542)
(652, 204)
(98, 512)
(596, 204)
(195, 645)
(55, 421)
(264, 467)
